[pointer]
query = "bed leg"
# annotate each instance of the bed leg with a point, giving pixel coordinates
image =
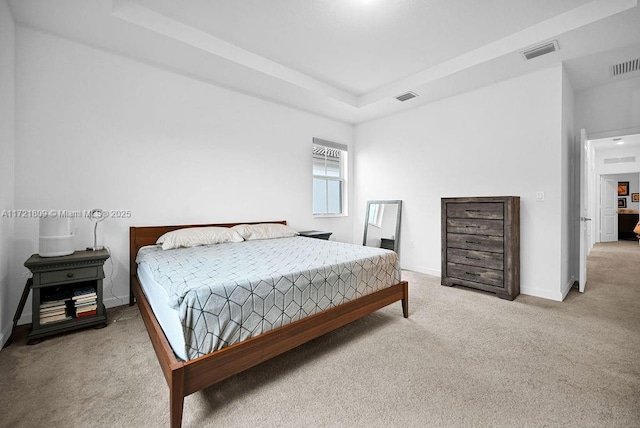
(176, 392)
(405, 301)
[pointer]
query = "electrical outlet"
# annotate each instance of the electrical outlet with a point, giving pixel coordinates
(412, 244)
(540, 196)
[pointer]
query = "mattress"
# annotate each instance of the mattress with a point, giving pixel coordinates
(167, 316)
(226, 293)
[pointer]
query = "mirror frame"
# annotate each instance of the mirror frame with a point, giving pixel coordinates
(396, 243)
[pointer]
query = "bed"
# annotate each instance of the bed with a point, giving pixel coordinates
(199, 367)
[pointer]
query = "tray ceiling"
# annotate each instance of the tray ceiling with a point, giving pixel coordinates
(349, 59)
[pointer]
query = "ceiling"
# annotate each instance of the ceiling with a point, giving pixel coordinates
(349, 59)
(612, 143)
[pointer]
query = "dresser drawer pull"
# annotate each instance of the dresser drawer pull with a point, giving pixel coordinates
(472, 273)
(472, 242)
(470, 226)
(472, 211)
(70, 275)
(472, 258)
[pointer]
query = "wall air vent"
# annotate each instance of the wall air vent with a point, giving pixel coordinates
(405, 97)
(625, 67)
(620, 160)
(540, 50)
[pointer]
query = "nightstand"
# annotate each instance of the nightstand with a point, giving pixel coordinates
(67, 292)
(318, 234)
(387, 243)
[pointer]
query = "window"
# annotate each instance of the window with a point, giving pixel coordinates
(376, 211)
(329, 166)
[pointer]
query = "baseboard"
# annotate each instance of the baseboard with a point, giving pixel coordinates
(421, 269)
(112, 302)
(567, 287)
(539, 292)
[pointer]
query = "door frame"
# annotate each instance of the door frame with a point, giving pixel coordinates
(587, 240)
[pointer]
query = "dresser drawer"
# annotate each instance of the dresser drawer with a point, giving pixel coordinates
(486, 210)
(477, 274)
(476, 258)
(475, 226)
(69, 275)
(492, 244)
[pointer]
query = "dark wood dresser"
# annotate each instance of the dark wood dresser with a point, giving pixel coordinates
(626, 223)
(481, 244)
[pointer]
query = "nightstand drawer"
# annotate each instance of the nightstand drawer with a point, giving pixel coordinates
(69, 275)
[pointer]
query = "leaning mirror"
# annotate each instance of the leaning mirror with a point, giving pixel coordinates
(382, 225)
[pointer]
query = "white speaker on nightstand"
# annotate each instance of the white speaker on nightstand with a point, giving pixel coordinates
(56, 236)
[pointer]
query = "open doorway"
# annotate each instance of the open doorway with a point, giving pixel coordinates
(616, 197)
(607, 154)
(618, 206)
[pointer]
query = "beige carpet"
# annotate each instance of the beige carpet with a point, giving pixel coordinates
(463, 358)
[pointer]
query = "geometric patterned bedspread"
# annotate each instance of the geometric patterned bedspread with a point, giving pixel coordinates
(227, 293)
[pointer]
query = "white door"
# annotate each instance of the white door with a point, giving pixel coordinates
(584, 209)
(608, 210)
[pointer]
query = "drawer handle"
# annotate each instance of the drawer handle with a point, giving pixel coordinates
(69, 274)
(472, 273)
(472, 242)
(472, 258)
(470, 226)
(472, 211)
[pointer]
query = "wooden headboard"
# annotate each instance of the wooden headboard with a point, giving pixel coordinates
(148, 235)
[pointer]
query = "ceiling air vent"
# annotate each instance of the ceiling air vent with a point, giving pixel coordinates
(405, 97)
(620, 160)
(625, 67)
(540, 50)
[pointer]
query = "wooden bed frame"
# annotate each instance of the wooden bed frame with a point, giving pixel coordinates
(186, 377)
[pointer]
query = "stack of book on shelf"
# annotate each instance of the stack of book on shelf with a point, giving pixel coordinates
(53, 311)
(85, 301)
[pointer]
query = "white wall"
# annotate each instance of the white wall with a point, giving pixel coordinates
(634, 186)
(617, 168)
(7, 157)
(96, 130)
(612, 107)
(504, 139)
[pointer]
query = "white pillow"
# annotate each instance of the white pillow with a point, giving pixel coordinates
(195, 236)
(264, 231)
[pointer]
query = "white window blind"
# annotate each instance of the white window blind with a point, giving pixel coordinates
(329, 163)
